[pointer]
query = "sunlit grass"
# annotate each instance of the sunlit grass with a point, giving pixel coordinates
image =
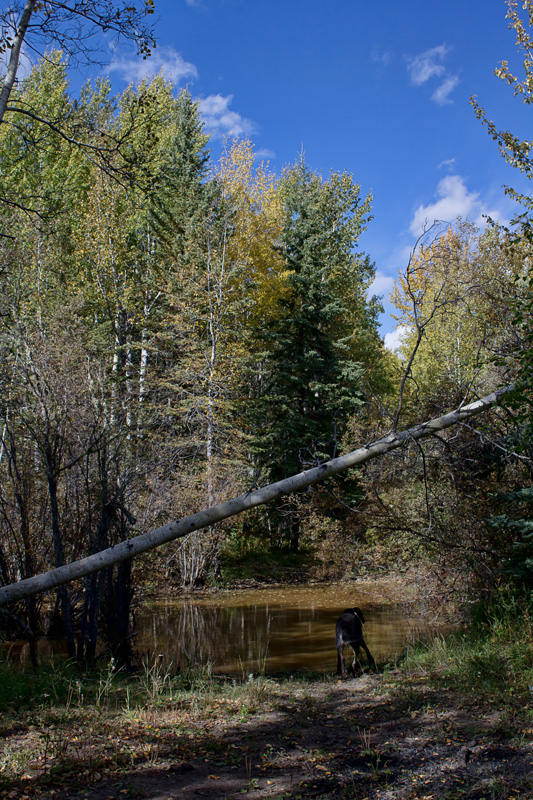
(493, 659)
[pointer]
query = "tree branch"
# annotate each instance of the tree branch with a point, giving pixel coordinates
(14, 58)
(230, 508)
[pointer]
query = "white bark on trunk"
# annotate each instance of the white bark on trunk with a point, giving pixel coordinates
(143, 367)
(14, 57)
(114, 383)
(251, 499)
(129, 390)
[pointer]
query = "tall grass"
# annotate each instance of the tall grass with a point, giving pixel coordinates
(491, 659)
(62, 687)
(26, 687)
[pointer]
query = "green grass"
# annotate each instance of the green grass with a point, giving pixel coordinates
(63, 685)
(22, 687)
(493, 658)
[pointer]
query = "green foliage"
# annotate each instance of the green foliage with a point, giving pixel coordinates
(312, 382)
(22, 686)
(310, 376)
(517, 525)
(491, 659)
(521, 354)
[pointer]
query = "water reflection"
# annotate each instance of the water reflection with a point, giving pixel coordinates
(269, 629)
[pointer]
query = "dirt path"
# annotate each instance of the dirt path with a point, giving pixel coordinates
(371, 737)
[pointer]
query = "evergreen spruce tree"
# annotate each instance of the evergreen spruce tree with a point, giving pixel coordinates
(312, 378)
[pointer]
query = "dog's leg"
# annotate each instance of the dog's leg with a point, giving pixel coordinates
(371, 659)
(341, 663)
(355, 648)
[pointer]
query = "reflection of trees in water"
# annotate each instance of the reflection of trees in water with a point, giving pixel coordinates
(220, 634)
(181, 632)
(241, 637)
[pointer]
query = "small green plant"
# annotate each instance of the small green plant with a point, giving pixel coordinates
(105, 684)
(156, 680)
(268, 754)
(75, 694)
(373, 753)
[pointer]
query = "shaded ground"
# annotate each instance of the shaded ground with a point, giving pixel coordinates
(377, 736)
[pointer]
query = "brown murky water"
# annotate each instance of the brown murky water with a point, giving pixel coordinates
(271, 629)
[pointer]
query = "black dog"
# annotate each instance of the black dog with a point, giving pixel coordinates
(349, 633)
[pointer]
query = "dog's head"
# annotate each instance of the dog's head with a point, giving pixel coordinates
(356, 611)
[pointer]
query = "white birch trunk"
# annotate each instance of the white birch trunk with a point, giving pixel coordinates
(230, 508)
(129, 390)
(14, 58)
(114, 380)
(143, 366)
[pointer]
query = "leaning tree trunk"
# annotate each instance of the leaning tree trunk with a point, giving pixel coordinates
(251, 499)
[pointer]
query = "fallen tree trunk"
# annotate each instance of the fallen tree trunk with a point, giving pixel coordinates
(202, 519)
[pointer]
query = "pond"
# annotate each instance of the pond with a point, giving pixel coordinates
(271, 629)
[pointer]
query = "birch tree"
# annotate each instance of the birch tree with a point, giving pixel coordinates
(77, 28)
(202, 519)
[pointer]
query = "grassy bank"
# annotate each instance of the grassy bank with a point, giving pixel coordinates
(452, 720)
(491, 660)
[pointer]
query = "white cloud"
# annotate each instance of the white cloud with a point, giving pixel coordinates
(221, 121)
(382, 283)
(265, 154)
(393, 340)
(428, 64)
(164, 59)
(454, 201)
(448, 162)
(441, 95)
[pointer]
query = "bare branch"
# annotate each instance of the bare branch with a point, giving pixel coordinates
(230, 508)
(420, 324)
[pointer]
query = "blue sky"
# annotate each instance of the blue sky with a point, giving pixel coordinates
(379, 89)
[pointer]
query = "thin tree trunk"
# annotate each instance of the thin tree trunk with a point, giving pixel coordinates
(251, 499)
(66, 609)
(294, 532)
(14, 58)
